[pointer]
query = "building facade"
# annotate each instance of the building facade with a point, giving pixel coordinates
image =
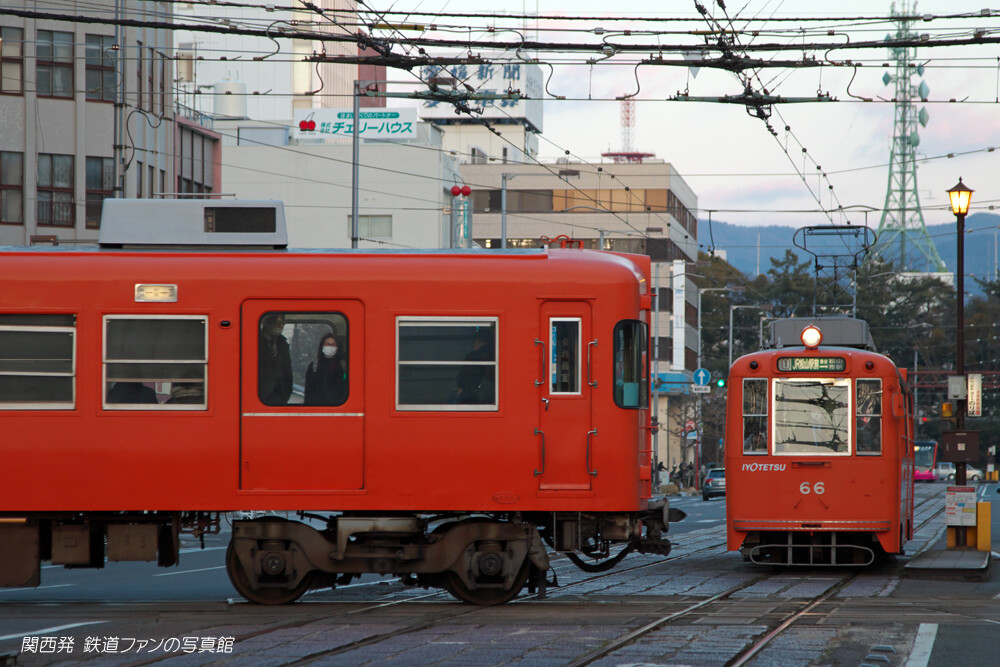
(403, 185)
(84, 114)
(270, 77)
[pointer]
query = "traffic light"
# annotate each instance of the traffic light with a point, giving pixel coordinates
(720, 383)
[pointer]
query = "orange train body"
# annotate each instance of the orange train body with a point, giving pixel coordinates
(561, 432)
(829, 478)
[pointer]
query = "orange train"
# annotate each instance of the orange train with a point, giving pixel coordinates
(819, 448)
(438, 416)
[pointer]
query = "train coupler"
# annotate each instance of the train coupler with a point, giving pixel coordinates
(655, 547)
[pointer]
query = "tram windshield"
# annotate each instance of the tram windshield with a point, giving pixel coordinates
(812, 416)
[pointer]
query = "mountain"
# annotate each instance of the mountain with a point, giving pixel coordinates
(750, 249)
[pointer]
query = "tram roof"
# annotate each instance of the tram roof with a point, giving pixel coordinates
(837, 330)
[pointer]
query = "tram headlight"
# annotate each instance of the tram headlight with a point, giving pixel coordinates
(812, 336)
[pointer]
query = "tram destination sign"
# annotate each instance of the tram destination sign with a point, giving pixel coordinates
(811, 364)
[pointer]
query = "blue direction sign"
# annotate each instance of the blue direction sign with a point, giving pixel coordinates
(702, 377)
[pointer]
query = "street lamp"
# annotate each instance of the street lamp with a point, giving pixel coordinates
(960, 197)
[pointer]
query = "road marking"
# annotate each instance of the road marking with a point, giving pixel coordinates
(34, 588)
(43, 631)
(189, 550)
(923, 645)
(204, 569)
(708, 520)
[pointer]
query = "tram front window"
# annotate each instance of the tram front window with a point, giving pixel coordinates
(812, 416)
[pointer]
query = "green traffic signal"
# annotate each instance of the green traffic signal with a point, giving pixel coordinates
(720, 383)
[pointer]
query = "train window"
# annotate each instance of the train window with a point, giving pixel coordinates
(446, 363)
(631, 360)
(869, 416)
(155, 361)
(302, 358)
(564, 356)
(37, 362)
(755, 416)
(812, 416)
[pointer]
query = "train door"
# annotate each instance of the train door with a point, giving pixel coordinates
(302, 395)
(565, 432)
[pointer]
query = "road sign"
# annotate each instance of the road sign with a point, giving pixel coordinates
(702, 377)
(974, 395)
(689, 425)
(701, 389)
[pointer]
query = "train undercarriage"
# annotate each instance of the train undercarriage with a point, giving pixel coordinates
(482, 559)
(812, 548)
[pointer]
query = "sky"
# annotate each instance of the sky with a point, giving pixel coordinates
(739, 171)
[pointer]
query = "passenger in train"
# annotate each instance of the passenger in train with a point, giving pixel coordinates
(274, 364)
(326, 377)
(131, 392)
(755, 442)
(187, 393)
(475, 383)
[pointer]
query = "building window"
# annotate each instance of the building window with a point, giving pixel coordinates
(11, 61)
(151, 178)
(373, 226)
(11, 188)
(139, 184)
(163, 86)
(155, 362)
(54, 62)
(38, 362)
(100, 186)
(55, 190)
(150, 71)
(196, 164)
(101, 81)
(138, 75)
(445, 363)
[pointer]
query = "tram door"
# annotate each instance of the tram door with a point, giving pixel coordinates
(302, 395)
(565, 432)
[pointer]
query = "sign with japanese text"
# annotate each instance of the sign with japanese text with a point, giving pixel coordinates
(375, 123)
(960, 506)
(490, 78)
(974, 396)
(811, 364)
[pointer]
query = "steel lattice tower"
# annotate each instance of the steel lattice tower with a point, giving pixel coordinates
(902, 234)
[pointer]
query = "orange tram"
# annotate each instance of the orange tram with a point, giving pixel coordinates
(439, 416)
(819, 448)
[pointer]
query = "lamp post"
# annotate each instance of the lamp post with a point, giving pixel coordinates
(701, 426)
(732, 309)
(960, 197)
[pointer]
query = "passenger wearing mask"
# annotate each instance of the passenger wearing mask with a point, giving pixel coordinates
(274, 363)
(326, 377)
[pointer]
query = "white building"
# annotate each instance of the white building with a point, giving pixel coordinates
(210, 63)
(59, 124)
(403, 185)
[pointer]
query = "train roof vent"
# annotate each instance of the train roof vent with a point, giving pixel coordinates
(138, 223)
(839, 331)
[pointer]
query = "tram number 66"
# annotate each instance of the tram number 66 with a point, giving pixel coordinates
(817, 488)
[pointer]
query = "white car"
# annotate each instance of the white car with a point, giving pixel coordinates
(946, 471)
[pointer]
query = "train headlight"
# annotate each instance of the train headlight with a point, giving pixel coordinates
(812, 336)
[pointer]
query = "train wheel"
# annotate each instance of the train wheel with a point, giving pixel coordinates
(487, 597)
(269, 596)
